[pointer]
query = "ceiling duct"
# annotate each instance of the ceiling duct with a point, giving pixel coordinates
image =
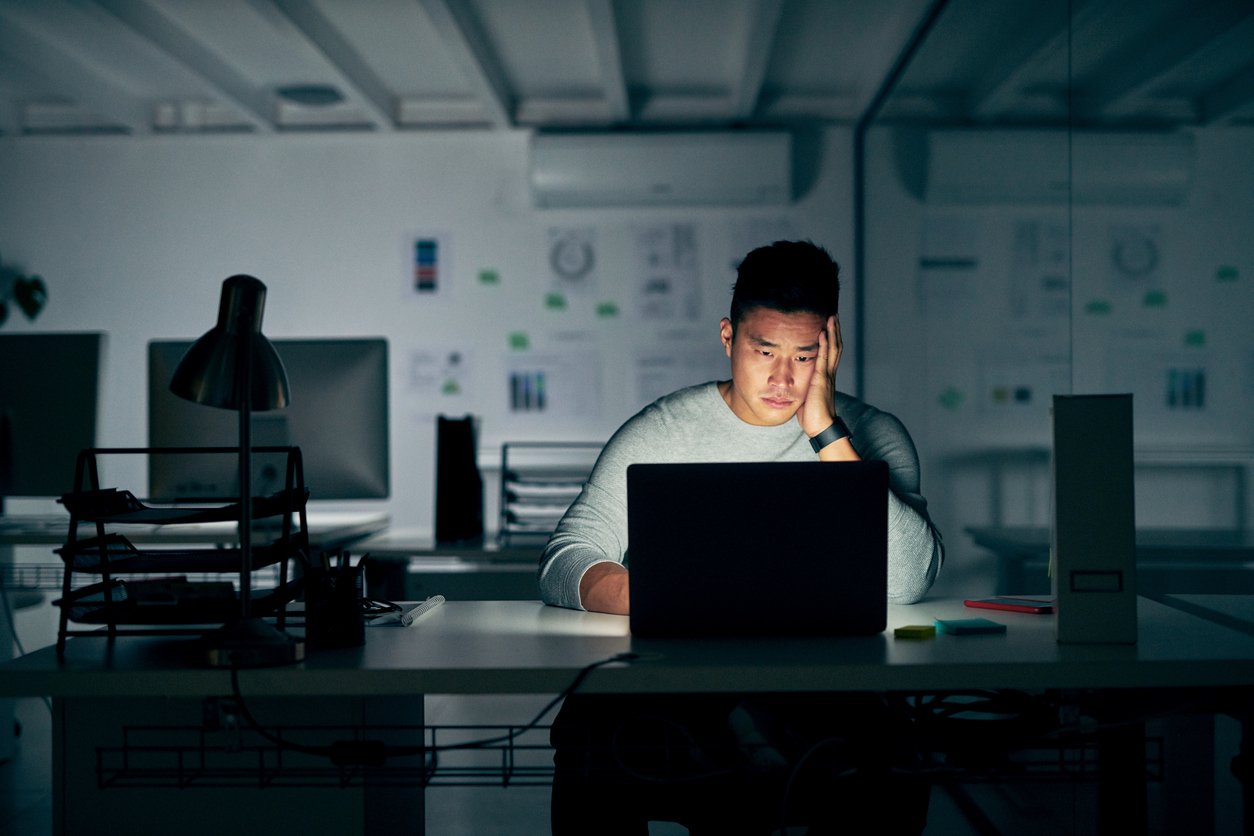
(1031, 166)
(656, 169)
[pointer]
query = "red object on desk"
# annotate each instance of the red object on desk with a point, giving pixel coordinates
(1005, 602)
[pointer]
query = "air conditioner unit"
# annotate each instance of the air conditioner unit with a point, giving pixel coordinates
(1031, 166)
(653, 169)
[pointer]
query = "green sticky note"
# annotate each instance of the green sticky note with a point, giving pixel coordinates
(915, 631)
(607, 309)
(1155, 299)
(968, 626)
(519, 341)
(555, 301)
(951, 399)
(489, 277)
(450, 387)
(1226, 273)
(1099, 307)
(1195, 338)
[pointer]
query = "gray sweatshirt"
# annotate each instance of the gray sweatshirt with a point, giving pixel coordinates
(697, 425)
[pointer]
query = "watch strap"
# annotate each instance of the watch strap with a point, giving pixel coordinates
(835, 432)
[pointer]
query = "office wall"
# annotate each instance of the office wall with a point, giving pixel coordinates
(134, 236)
(982, 336)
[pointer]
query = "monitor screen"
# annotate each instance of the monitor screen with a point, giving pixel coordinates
(48, 391)
(338, 416)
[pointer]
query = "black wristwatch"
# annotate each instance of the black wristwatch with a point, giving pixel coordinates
(835, 432)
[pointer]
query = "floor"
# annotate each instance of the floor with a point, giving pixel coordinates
(25, 780)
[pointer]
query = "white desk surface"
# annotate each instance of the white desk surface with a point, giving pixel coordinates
(525, 647)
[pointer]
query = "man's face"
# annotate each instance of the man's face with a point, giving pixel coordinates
(772, 358)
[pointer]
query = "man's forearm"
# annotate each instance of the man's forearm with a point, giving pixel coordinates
(603, 588)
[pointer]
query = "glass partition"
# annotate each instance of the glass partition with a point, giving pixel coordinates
(1058, 199)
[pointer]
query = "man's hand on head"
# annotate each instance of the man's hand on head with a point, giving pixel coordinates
(818, 411)
(603, 588)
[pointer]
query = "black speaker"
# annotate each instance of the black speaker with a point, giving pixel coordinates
(458, 485)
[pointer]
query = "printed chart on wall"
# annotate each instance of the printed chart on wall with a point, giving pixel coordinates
(946, 281)
(427, 266)
(667, 272)
(440, 380)
(559, 385)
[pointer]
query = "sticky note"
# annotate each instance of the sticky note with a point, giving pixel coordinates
(1195, 338)
(555, 301)
(519, 341)
(969, 626)
(1155, 299)
(1099, 307)
(489, 277)
(607, 309)
(915, 631)
(951, 399)
(1227, 273)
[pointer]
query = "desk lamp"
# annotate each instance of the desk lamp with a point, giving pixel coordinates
(234, 366)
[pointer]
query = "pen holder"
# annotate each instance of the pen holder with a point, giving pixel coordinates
(333, 607)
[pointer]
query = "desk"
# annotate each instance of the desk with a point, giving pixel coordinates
(524, 647)
(1197, 561)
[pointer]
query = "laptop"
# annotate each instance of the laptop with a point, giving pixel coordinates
(758, 548)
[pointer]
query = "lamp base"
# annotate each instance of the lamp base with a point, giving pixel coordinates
(246, 643)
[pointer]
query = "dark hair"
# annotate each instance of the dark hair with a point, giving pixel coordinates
(789, 277)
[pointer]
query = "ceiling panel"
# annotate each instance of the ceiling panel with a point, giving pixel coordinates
(198, 65)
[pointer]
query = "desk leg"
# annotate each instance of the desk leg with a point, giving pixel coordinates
(1243, 768)
(396, 809)
(1123, 800)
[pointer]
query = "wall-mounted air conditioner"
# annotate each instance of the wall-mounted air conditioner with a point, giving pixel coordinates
(651, 169)
(978, 166)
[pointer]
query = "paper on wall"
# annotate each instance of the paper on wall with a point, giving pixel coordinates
(562, 385)
(667, 273)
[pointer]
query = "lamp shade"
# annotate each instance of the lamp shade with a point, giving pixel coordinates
(209, 371)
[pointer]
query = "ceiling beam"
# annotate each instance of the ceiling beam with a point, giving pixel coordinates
(1131, 71)
(759, 39)
(71, 76)
(1039, 35)
(457, 26)
(605, 37)
(355, 74)
(1221, 101)
(255, 106)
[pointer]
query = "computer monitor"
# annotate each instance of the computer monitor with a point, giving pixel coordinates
(338, 416)
(48, 392)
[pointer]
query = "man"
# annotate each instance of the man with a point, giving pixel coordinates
(783, 340)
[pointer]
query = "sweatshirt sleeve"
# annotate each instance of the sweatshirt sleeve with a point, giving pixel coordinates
(915, 549)
(594, 529)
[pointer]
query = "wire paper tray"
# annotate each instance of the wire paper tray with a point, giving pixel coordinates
(112, 505)
(124, 558)
(168, 601)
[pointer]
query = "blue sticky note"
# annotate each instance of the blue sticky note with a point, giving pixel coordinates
(969, 626)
